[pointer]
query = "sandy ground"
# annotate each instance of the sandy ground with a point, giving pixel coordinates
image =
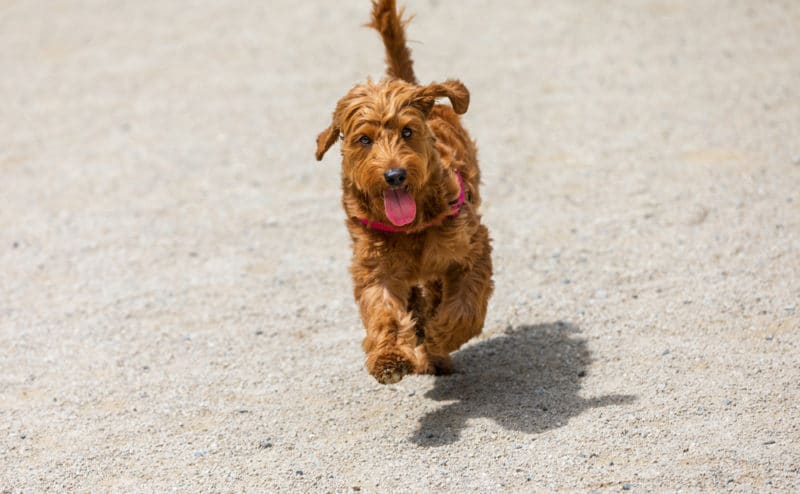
(175, 307)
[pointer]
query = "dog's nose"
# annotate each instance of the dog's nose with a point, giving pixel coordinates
(395, 176)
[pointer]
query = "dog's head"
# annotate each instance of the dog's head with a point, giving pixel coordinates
(387, 146)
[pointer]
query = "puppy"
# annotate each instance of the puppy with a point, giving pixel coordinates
(421, 267)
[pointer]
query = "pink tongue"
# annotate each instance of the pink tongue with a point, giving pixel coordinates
(400, 206)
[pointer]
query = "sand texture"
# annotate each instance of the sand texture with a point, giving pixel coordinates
(176, 310)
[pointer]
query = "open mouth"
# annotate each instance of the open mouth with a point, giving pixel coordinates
(400, 206)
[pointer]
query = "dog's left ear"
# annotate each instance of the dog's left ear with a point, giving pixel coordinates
(325, 140)
(453, 89)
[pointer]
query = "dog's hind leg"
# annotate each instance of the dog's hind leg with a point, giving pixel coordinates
(428, 363)
(422, 303)
(418, 308)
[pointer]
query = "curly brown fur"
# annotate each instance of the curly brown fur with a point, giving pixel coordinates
(421, 292)
(390, 23)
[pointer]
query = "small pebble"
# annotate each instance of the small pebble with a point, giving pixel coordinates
(259, 332)
(298, 472)
(726, 402)
(666, 352)
(626, 486)
(199, 454)
(581, 373)
(770, 337)
(357, 488)
(264, 444)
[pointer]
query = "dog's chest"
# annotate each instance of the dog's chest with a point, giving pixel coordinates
(435, 253)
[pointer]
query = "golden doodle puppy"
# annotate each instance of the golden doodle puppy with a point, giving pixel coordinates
(422, 267)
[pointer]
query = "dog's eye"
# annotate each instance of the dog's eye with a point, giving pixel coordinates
(365, 141)
(406, 133)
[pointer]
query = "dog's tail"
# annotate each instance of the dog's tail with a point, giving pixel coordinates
(390, 24)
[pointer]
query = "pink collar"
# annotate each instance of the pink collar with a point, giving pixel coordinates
(454, 210)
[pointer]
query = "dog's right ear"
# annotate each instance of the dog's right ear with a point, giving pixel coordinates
(325, 140)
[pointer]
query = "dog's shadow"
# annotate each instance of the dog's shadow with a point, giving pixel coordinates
(527, 380)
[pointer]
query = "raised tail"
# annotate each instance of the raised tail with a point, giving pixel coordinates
(390, 24)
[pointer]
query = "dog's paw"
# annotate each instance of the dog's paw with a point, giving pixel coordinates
(389, 368)
(438, 365)
(442, 364)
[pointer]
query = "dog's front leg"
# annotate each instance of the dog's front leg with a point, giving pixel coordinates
(464, 297)
(391, 335)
